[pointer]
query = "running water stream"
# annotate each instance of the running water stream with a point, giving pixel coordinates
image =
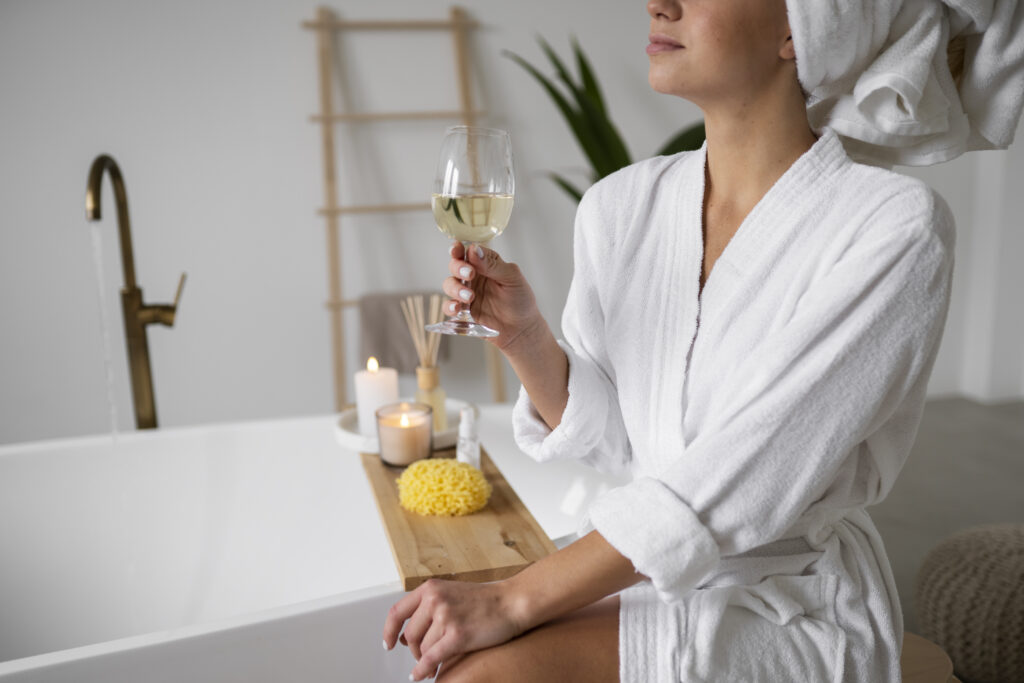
(97, 260)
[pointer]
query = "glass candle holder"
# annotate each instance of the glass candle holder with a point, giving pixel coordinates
(405, 434)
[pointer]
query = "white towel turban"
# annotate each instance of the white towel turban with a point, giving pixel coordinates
(876, 72)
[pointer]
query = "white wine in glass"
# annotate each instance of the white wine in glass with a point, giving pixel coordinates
(472, 201)
(473, 218)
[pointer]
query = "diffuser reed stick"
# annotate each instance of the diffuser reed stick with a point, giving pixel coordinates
(426, 343)
(428, 384)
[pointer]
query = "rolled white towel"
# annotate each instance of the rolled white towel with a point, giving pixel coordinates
(876, 71)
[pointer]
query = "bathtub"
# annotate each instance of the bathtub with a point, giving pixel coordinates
(238, 552)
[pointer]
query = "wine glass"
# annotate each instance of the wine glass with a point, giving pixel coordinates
(472, 201)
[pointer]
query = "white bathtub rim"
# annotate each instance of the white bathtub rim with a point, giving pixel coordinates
(197, 630)
(130, 436)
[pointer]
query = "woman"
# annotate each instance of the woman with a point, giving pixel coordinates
(749, 332)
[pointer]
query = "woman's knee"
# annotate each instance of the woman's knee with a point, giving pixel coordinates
(582, 645)
(483, 666)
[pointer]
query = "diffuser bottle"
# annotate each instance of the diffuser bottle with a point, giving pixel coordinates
(429, 391)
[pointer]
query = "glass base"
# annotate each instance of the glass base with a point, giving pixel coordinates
(462, 328)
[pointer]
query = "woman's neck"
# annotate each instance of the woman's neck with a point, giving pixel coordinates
(751, 143)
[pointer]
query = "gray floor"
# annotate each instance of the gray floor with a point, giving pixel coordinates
(966, 469)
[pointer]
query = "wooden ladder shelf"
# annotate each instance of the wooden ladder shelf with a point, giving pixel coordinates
(326, 26)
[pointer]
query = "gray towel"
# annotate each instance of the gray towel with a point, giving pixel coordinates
(384, 334)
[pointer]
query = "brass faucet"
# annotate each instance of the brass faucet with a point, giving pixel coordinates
(137, 315)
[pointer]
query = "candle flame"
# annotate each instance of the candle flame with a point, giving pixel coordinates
(404, 421)
(372, 365)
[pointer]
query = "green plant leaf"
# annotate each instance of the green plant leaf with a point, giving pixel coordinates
(567, 186)
(587, 77)
(686, 140)
(581, 127)
(608, 137)
(603, 141)
(556, 62)
(598, 144)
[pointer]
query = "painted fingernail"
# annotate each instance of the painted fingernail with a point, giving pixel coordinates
(384, 643)
(451, 307)
(465, 294)
(465, 271)
(479, 251)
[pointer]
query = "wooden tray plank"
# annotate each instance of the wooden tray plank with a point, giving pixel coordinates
(488, 545)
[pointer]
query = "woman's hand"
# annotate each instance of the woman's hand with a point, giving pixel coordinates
(498, 294)
(501, 299)
(448, 618)
(444, 619)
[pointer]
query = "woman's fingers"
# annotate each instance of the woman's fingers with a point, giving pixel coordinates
(429, 642)
(489, 264)
(461, 269)
(416, 612)
(457, 291)
(399, 612)
(444, 649)
(417, 627)
(431, 637)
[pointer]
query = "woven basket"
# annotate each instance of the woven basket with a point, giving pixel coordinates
(970, 601)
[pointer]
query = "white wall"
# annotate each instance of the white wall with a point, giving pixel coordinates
(205, 105)
(982, 353)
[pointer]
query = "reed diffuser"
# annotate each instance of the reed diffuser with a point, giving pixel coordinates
(428, 381)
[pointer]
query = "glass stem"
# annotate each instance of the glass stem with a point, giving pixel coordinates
(464, 315)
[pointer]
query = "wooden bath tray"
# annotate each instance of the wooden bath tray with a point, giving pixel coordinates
(488, 545)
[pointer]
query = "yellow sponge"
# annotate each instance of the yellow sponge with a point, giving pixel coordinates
(442, 487)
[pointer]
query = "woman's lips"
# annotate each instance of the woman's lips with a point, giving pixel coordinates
(660, 43)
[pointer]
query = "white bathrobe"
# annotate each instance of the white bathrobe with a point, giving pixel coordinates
(757, 417)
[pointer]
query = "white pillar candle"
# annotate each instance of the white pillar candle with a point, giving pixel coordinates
(375, 386)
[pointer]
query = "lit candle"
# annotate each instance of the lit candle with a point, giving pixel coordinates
(405, 432)
(375, 386)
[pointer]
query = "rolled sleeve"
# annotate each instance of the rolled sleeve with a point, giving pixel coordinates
(659, 533)
(591, 428)
(583, 421)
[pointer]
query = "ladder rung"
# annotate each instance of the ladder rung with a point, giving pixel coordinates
(388, 25)
(376, 208)
(395, 116)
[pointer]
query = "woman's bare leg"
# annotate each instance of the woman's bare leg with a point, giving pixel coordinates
(581, 646)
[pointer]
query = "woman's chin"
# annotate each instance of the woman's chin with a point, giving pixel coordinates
(665, 84)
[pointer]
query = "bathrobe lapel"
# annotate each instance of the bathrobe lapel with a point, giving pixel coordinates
(770, 237)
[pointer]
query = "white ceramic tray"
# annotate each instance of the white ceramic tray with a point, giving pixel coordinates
(346, 429)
